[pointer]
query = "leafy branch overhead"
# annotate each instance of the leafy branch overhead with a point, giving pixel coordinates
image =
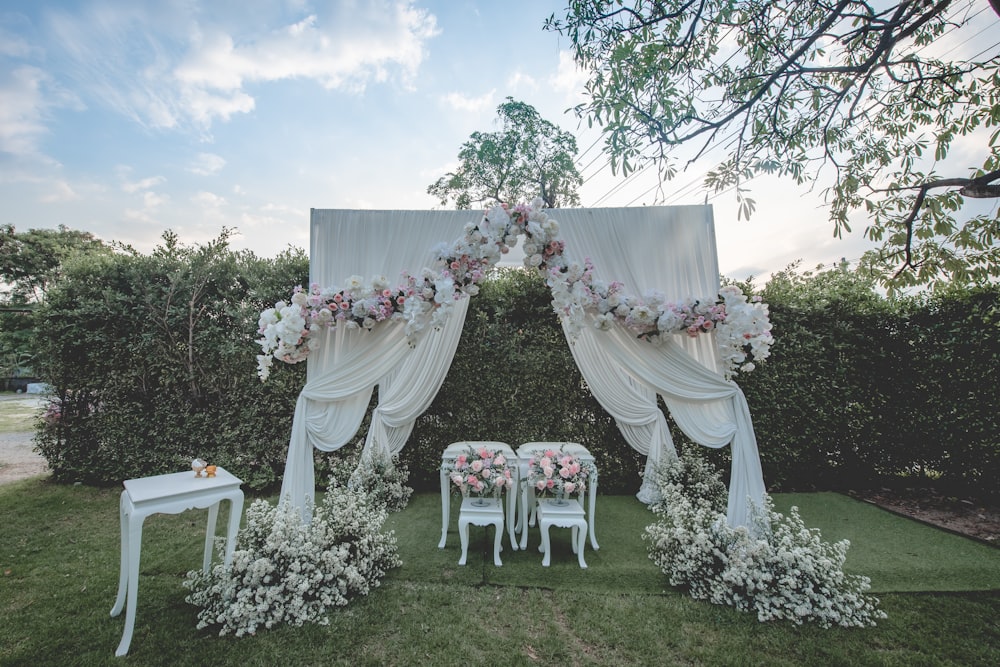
(527, 157)
(891, 103)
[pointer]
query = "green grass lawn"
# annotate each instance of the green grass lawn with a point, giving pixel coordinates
(59, 573)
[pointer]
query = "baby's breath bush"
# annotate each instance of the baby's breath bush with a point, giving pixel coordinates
(287, 571)
(778, 568)
(382, 478)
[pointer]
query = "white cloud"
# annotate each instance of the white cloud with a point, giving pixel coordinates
(461, 102)
(209, 200)
(59, 191)
(192, 63)
(569, 78)
(144, 184)
(207, 164)
(28, 97)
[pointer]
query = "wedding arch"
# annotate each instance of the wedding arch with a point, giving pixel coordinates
(637, 290)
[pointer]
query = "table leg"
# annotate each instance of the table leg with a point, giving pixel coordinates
(463, 536)
(592, 501)
(134, 544)
(581, 539)
(544, 546)
(512, 516)
(524, 517)
(235, 513)
(445, 509)
(496, 543)
(213, 515)
(123, 512)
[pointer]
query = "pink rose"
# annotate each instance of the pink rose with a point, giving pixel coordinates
(564, 472)
(574, 468)
(500, 460)
(477, 465)
(548, 471)
(540, 485)
(569, 487)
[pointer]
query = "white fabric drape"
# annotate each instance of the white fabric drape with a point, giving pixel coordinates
(343, 371)
(670, 250)
(667, 249)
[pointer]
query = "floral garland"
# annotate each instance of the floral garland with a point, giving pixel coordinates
(289, 331)
(557, 472)
(482, 472)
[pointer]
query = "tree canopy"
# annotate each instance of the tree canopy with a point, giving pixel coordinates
(873, 97)
(31, 260)
(528, 157)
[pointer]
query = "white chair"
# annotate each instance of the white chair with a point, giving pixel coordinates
(526, 495)
(481, 512)
(449, 455)
(564, 514)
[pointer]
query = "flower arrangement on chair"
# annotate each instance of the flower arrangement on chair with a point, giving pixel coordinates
(558, 473)
(481, 472)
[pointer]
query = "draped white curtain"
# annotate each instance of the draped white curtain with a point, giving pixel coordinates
(344, 370)
(670, 250)
(667, 249)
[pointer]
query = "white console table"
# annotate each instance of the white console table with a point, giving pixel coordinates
(169, 494)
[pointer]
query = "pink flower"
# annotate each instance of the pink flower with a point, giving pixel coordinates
(462, 458)
(540, 485)
(564, 472)
(574, 468)
(500, 460)
(548, 471)
(692, 331)
(477, 466)
(569, 487)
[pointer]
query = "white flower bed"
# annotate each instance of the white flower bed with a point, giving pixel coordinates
(284, 571)
(780, 569)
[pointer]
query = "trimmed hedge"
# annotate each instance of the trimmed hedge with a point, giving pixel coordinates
(153, 361)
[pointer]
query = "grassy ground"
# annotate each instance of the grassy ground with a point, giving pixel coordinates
(59, 571)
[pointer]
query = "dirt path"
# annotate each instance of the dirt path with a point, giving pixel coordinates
(17, 458)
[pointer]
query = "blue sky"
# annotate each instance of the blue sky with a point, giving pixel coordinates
(126, 118)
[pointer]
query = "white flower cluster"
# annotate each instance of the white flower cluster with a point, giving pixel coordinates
(779, 569)
(286, 571)
(288, 330)
(382, 478)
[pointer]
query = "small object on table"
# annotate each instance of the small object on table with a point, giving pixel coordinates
(198, 466)
(210, 470)
(169, 494)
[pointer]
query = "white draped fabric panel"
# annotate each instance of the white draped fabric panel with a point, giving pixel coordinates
(670, 250)
(343, 371)
(667, 249)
